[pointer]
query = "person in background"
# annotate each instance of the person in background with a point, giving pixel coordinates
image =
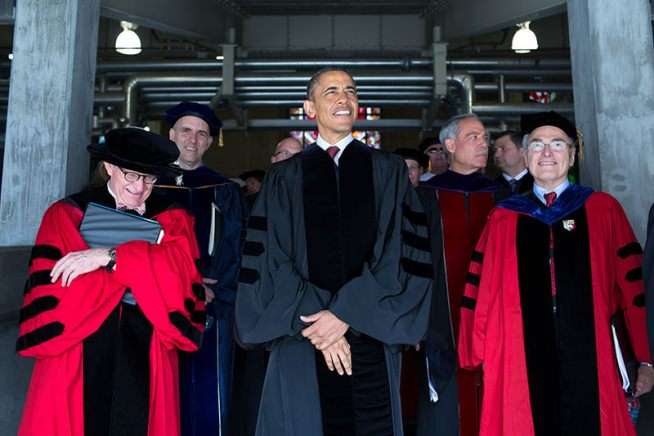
(510, 158)
(437, 155)
(548, 276)
(218, 208)
(253, 180)
(415, 163)
(286, 148)
(428, 390)
(465, 196)
(105, 324)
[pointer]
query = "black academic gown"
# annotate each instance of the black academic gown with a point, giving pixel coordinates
(352, 240)
(648, 276)
(438, 347)
(206, 376)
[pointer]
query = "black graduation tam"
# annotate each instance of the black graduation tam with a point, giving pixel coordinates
(138, 150)
(201, 111)
(257, 174)
(530, 122)
(413, 154)
(427, 143)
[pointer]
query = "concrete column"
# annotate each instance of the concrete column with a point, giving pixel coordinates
(49, 111)
(613, 82)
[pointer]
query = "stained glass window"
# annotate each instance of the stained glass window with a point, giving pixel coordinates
(370, 137)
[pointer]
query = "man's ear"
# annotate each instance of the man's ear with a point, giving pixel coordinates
(171, 134)
(449, 145)
(573, 151)
(309, 108)
(109, 168)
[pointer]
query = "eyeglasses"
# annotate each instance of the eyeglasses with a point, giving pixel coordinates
(132, 177)
(556, 145)
(283, 153)
(435, 150)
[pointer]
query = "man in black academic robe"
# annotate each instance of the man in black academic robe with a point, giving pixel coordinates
(336, 277)
(217, 205)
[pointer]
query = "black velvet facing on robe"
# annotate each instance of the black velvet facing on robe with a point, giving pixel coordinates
(185, 327)
(37, 278)
(340, 229)
(117, 375)
(258, 223)
(39, 335)
(154, 205)
(468, 303)
(38, 306)
(560, 348)
(44, 252)
(630, 249)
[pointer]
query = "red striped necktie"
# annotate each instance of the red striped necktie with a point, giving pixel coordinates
(333, 151)
(550, 198)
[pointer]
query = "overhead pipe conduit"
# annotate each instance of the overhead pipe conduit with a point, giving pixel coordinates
(264, 83)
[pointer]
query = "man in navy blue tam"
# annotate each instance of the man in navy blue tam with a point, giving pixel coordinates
(216, 203)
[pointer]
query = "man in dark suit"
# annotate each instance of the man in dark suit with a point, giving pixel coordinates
(510, 158)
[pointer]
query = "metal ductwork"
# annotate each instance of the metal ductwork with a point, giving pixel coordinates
(261, 83)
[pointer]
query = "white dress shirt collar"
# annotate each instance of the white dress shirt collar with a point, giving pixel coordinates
(540, 192)
(518, 176)
(340, 144)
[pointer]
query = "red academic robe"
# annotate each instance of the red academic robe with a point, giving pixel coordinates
(464, 215)
(547, 353)
(56, 320)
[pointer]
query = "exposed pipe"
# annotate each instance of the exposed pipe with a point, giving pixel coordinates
(298, 103)
(285, 95)
(517, 72)
(312, 64)
(523, 87)
(131, 88)
(521, 108)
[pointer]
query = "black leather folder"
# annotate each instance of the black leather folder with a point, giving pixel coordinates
(107, 227)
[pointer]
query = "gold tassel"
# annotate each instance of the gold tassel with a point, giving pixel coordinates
(220, 138)
(580, 142)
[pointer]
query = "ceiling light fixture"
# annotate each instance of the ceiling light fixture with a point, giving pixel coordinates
(524, 39)
(128, 41)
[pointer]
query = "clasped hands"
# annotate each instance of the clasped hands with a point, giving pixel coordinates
(326, 333)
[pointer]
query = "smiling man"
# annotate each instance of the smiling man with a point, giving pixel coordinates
(336, 276)
(216, 204)
(550, 273)
(105, 324)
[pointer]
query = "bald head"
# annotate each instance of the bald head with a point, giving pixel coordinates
(286, 148)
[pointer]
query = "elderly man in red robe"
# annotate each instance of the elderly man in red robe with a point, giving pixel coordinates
(552, 270)
(105, 324)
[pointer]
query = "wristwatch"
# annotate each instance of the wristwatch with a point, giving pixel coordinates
(112, 259)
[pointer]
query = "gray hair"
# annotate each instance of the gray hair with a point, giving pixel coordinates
(451, 127)
(313, 82)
